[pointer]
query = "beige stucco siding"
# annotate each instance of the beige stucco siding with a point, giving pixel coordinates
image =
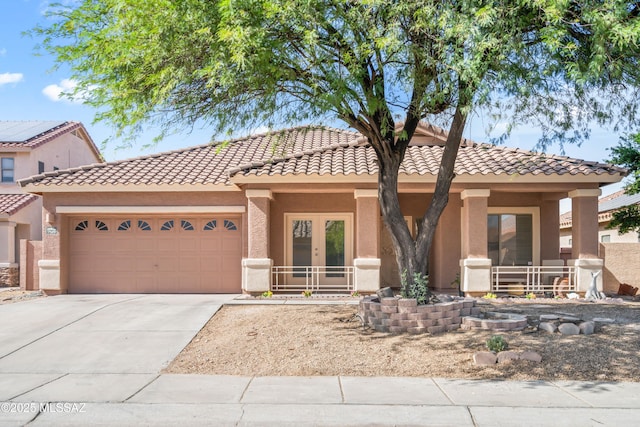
(302, 203)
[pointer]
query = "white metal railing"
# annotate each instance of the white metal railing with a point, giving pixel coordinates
(533, 278)
(312, 278)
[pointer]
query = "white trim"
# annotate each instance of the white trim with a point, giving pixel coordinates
(258, 192)
(365, 192)
(475, 192)
(585, 192)
(534, 211)
(148, 209)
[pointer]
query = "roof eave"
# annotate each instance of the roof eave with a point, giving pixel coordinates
(131, 188)
(603, 179)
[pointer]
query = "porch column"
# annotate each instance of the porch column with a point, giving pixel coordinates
(367, 262)
(8, 267)
(475, 264)
(256, 269)
(584, 234)
(550, 227)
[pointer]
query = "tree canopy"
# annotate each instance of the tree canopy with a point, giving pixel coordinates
(627, 154)
(379, 66)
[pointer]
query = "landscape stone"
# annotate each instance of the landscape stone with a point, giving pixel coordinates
(507, 356)
(385, 292)
(571, 319)
(587, 328)
(603, 320)
(389, 309)
(547, 317)
(531, 356)
(547, 326)
(568, 329)
(391, 302)
(485, 358)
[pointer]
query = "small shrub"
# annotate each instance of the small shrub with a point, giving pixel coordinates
(418, 289)
(497, 343)
(307, 293)
(490, 295)
(267, 294)
(530, 295)
(355, 294)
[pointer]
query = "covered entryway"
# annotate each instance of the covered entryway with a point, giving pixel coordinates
(155, 254)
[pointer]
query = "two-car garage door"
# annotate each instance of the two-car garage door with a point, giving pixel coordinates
(155, 254)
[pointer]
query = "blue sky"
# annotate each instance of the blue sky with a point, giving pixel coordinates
(29, 89)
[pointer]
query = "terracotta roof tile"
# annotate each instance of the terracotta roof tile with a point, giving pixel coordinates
(308, 151)
(12, 203)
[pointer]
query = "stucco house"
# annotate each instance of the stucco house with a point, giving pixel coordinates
(28, 148)
(298, 209)
(607, 205)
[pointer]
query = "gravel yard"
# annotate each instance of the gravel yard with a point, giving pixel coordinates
(329, 340)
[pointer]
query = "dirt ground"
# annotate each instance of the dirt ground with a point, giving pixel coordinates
(15, 295)
(312, 340)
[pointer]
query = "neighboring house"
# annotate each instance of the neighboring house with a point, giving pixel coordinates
(607, 205)
(299, 208)
(28, 148)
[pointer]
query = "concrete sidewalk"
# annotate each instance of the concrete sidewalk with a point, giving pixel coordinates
(127, 399)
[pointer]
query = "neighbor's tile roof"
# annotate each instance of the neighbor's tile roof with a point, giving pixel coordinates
(32, 133)
(12, 203)
(307, 151)
(606, 205)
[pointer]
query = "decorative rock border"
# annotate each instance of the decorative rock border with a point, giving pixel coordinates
(489, 358)
(499, 322)
(400, 315)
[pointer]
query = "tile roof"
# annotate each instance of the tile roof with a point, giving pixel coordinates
(204, 164)
(617, 200)
(606, 205)
(307, 151)
(12, 203)
(473, 159)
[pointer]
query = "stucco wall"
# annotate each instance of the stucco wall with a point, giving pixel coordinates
(30, 254)
(621, 265)
(303, 203)
(64, 152)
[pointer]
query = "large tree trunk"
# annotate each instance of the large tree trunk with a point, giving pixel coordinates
(412, 255)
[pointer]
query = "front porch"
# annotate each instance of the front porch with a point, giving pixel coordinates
(487, 241)
(314, 279)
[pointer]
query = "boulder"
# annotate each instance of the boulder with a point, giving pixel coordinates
(485, 358)
(568, 329)
(547, 327)
(587, 328)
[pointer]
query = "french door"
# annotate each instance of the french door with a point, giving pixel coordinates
(319, 246)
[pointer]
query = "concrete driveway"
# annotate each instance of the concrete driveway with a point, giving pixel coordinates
(95, 347)
(100, 333)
